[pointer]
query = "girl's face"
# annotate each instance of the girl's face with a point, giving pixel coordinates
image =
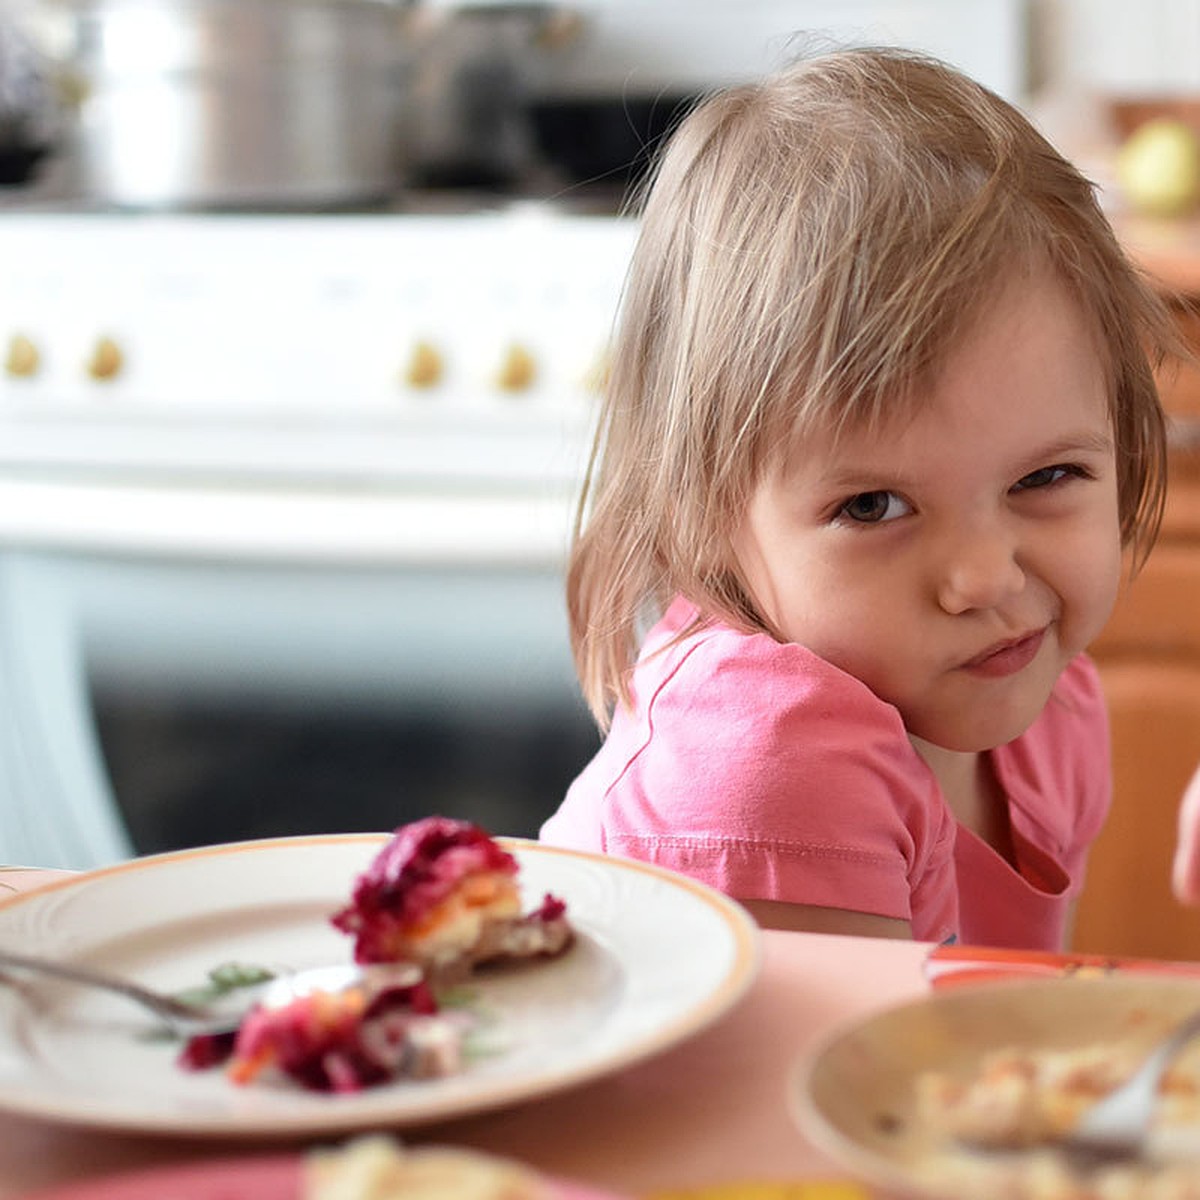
(956, 564)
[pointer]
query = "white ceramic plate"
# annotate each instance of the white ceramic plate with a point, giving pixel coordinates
(658, 958)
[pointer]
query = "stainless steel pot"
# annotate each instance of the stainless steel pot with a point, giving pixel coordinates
(236, 103)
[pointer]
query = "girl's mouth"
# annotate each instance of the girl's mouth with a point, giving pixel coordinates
(1007, 658)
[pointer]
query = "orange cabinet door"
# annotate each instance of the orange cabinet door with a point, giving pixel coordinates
(1126, 907)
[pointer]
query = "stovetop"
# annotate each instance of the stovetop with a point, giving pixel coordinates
(52, 191)
(441, 340)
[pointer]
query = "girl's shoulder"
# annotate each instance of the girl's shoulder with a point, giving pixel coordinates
(749, 681)
(1058, 771)
(1078, 688)
(737, 738)
(1074, 723)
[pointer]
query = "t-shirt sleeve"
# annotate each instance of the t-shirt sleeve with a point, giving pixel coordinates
(771, 775)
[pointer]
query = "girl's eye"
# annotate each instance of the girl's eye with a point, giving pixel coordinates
(1045, 476)
(871, 508)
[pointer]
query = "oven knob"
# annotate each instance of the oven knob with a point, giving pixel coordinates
(23, 359)
(106, 361)
(425, 367)
(518, 370)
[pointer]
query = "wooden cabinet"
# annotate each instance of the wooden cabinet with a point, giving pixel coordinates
(1149, 657)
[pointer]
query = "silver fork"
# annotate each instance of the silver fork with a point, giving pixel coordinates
(185, 1018)
(1118, 1126)
(193, 1018)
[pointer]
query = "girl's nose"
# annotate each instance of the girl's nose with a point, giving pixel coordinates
(981, 572)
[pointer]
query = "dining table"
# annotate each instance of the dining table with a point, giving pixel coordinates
(708, 1116)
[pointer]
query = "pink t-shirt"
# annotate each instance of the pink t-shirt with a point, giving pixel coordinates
(759, 768)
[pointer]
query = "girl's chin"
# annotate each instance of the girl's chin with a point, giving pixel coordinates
(979, 740)
(977, 737)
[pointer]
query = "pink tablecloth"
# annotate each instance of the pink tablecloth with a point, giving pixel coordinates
(712, 1110)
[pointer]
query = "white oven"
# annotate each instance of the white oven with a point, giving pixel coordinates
(284, 499)
(283, 508)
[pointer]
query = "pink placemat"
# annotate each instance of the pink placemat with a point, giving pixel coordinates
(273, 1177)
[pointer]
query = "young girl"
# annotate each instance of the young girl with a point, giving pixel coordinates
(881, 421)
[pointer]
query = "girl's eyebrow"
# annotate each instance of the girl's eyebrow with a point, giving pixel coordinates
(855, 476)
(1090, 442)
(1086, 443)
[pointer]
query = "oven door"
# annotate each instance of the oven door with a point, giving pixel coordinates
(284, 504)
(190, 667)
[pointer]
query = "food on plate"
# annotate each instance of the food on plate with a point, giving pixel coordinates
(351, 1039)
(1022, 1098)
(376, 1167)
(443, 894)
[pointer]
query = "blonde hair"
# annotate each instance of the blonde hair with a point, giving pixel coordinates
(811, 248)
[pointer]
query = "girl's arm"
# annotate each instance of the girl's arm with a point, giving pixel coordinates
(1185, 875)
(813, 918)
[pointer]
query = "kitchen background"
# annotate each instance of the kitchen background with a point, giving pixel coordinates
(304, 306)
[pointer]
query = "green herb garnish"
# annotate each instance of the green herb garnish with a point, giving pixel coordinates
(223, 979)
